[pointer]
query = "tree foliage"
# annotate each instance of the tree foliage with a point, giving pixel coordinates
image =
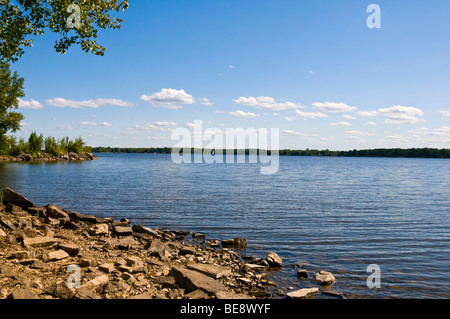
(11, 89)
(22, 19)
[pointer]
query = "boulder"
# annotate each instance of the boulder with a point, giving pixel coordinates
(210, 270)
(238, 242)
(70, 248)
(39, 242)
(22, 294)
(99, 229)
(54, 211)
(274, 260)
(144, 230)
(231, 295)
(12, 197)
(57, 255)
(324, 278)
(193, 280)
(302, 293)
(122, 231)
(301, 273)
(97, 283)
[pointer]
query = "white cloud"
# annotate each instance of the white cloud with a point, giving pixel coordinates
(267, 103)
(310, 115)
(33, 104)
(162, 123)
(95, 104)
(169, 98)
(445, 113)
(205, 101)
(295, 133)
(66, 127)
(333, 107)
(359, 133)
(240, 113)
(88, 123)
(397, 114)
(367, 113)
(400, 114)
(342, 123)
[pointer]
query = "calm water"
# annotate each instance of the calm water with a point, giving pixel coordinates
(337, 214)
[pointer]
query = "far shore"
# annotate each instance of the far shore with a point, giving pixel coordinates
(48, 157)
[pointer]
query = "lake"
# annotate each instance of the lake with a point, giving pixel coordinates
(339, 214)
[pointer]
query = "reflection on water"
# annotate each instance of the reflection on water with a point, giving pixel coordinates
(336, 214)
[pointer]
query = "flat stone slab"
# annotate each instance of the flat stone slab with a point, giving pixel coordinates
(303, 293)
(193, 280)
(210, 270)
(40, 241)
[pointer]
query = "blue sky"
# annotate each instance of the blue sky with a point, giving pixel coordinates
(312, 69)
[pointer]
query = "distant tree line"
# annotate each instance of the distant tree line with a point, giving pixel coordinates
(381, 152)
(11, 146)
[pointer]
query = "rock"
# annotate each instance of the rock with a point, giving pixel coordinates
(107, 268)
(134, 261)
(22, 294)
(70, 248)
(144, 230)
(231, 295)
(39, 242)
(324, 278)
(252, 267)
(10, 196)
(273, 259)
(54, 211)
(193, 280)
(165, 281)
(37, 211)
(187, 250)
(97, 283)
(99, 229)
(155, 246)
(122, 231)
(302, 293)
(213, 271)
(61, 290)
(175, 293)
(238, 242)
(65, 223)
(142, 296)
(22, 254)
(37, 264)
(301, 273)
(57, 255)
(198, 235)
(7, 223)
(197, 294)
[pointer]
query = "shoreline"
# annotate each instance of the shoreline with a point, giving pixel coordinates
(53, 253)
(43, 157)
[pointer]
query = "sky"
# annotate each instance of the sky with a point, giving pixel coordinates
(314, 70)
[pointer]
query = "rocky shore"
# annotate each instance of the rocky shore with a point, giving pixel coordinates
(53, 253)
(48, 158)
